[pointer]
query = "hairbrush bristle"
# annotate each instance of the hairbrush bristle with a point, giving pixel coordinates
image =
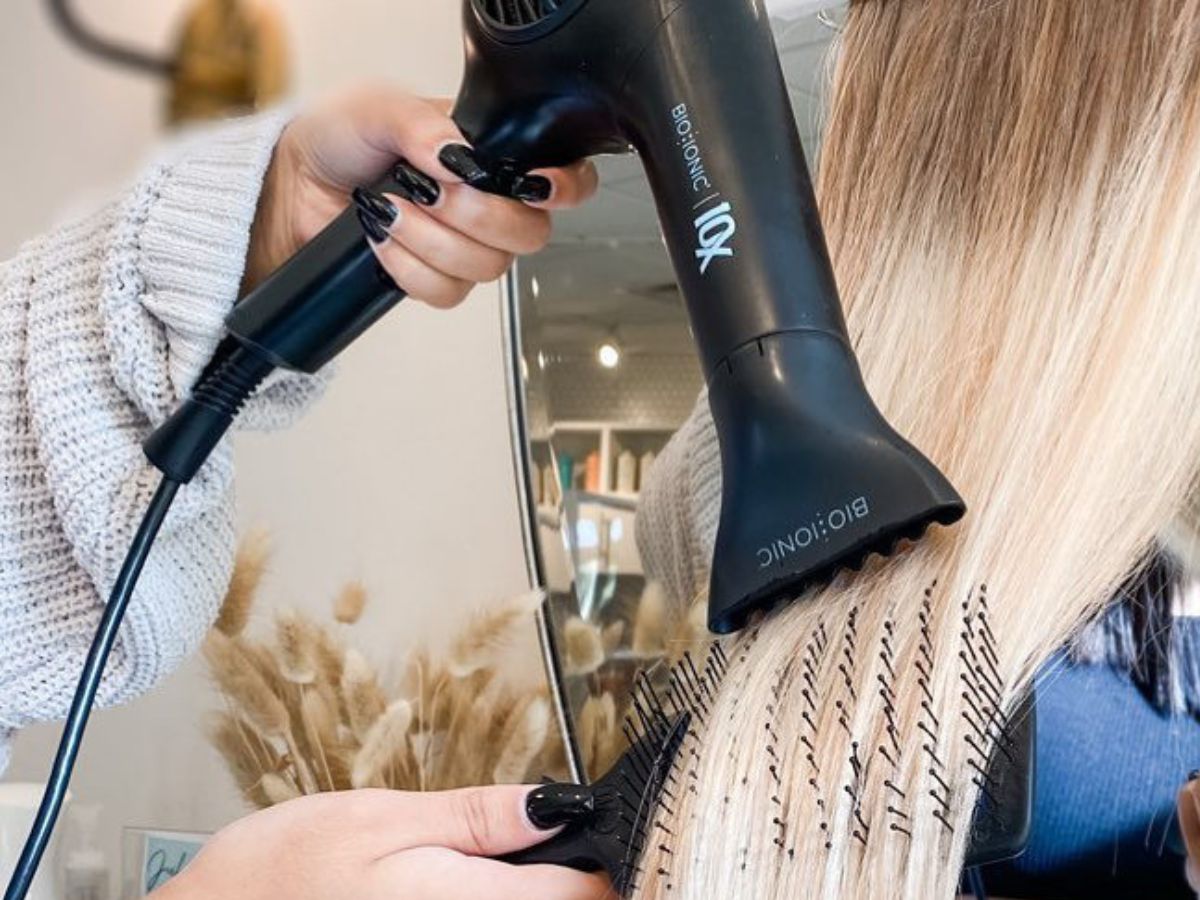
(660, 736)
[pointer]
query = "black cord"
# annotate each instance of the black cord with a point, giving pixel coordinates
(85, 693)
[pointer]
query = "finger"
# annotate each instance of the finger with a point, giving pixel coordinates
(411, 127)
(417, 278)
(570, 186)
(444, 248)
(484, 821)
(494, 221)
(448, 875)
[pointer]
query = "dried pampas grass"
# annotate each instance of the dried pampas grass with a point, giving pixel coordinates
(491, 634)
(248, 570)
(350, 603)
(584, 647)
(524, 735)
(305, 713)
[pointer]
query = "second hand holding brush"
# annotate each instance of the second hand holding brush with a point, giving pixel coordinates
(377, 845)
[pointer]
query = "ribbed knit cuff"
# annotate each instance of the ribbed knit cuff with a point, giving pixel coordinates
(188, 223)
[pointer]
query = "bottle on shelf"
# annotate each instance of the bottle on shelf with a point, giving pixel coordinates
(566, 473)
(644, 467)
(627, 466)
(591, 477)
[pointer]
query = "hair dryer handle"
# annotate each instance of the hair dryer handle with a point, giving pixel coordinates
(709, 111)
(319, 301)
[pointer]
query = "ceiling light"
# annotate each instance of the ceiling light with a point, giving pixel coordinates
(609, 355)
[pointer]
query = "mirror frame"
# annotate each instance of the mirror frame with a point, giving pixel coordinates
(510, 327)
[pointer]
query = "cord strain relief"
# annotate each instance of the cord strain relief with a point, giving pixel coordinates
(180, 446)
(227, 388)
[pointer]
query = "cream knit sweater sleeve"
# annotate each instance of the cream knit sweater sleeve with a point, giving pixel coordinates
(680, 507)
(104, 325)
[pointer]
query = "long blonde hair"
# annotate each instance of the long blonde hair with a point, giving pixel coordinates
(1011, 190)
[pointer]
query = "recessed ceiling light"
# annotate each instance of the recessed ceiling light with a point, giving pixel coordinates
(609, 355)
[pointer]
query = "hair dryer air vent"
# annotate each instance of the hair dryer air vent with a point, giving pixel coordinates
(519, 13)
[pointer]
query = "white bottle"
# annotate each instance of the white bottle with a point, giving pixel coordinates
(626, 472)
(85, 875)
(646, 464)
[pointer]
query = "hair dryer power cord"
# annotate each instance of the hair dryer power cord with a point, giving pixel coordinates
(85, 694)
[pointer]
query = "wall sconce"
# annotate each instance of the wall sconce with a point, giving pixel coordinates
(230, 57)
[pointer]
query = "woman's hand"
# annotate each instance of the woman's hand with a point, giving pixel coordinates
(444, 240)
(384, 845)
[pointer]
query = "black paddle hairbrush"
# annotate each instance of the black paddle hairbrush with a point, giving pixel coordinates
(627, 799)
(629, 796)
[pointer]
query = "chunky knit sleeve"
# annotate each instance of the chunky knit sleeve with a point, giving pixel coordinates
(105, 324)
(680, 507)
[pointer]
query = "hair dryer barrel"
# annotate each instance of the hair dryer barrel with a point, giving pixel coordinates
(814, 478)
(710, 114)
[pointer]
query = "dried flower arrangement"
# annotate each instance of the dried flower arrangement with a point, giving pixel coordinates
(306, 713)
(599, 656)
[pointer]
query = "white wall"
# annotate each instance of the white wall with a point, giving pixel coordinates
(402, 476)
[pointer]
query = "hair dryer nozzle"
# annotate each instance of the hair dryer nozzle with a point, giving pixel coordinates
(815, 479)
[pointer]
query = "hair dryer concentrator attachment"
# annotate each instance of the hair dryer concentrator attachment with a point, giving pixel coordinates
(814, 478)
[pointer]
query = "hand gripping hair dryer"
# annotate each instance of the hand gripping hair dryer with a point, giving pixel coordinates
(814, 478)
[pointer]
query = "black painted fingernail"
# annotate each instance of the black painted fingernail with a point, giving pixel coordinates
(532, 188)
(1194, 774)
(376, 214)
(460, 159)
(375, 232)
(419, 186)
(377, 206)
(560, 804)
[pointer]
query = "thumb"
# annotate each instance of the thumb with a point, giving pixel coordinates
(485, 821)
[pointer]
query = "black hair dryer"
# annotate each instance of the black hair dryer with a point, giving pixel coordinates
(814, 477)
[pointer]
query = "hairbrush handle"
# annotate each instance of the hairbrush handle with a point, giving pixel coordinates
(575, 847)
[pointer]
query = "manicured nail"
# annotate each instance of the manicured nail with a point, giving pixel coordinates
(553, 805)
(532, 188)
(1194, 774)
(460, 159)
(376, 233)
(417, 185)
(376, 213)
